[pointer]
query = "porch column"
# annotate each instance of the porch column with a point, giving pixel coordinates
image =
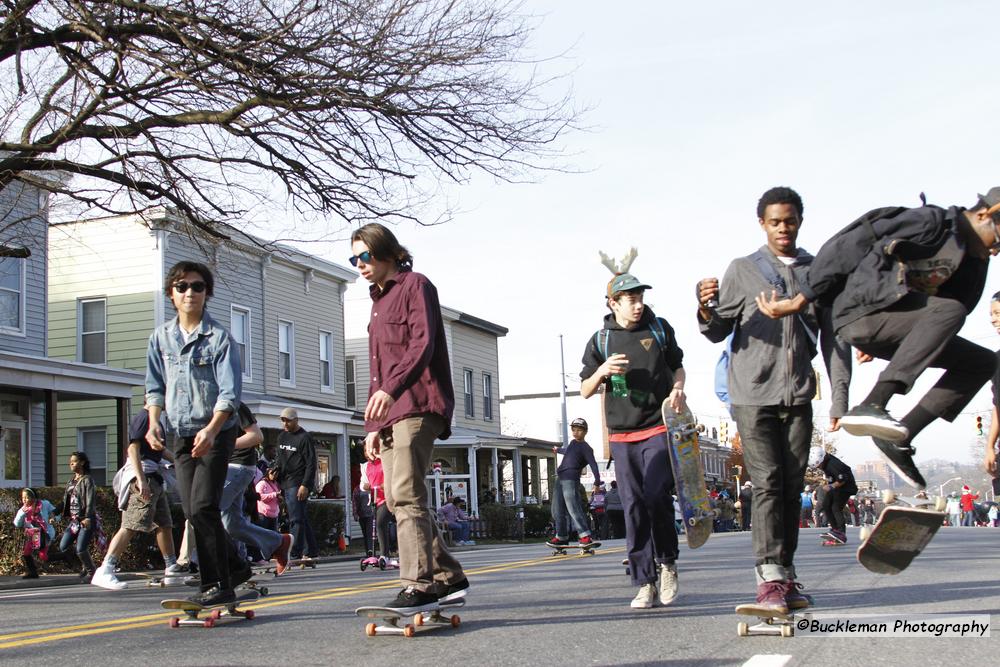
(344, 466)
(122, 419)
(517, 476)
(473, 481)
(51, 438)
(494, 476)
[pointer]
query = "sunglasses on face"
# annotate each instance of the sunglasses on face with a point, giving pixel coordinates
(365, 257)
(198, 286)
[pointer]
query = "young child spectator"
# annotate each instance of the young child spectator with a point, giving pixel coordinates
(35, 517)
(269, 491)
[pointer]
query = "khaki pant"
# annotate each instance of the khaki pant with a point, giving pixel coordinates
(406, 456)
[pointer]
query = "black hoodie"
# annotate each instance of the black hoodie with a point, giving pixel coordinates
(650, 375)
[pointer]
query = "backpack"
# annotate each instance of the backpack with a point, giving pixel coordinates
(601, 341)
(722, 365)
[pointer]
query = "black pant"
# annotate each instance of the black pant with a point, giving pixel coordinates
(367, 524)
(833, 504)
(616, 523)
(776, 450)
(383, 519)
(919, 332)
(200, 482)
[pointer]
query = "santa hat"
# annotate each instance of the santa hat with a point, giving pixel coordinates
(965, 488)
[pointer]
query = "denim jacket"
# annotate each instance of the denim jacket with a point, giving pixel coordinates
(192, 381)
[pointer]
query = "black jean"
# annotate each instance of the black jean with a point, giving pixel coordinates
(776, 449)
(833, 504)
(383, 519)
(919, 332)
(200, 482)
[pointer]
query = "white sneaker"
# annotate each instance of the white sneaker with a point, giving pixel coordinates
(105, 578)
(646, 597)
(668, 584)
(174, 570)
(470, 543)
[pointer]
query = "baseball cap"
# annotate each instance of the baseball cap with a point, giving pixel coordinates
(289, 413)
(625, 282)
(579, 422)
(991, 198)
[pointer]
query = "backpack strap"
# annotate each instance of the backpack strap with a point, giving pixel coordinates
(659, 333)
(601, 342)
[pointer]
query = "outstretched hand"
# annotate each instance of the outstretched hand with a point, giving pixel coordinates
(774, 307)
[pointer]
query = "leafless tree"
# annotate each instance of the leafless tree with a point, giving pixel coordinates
(344, 108)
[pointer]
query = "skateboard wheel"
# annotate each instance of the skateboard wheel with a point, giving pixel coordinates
(786, 631)
(263, 591)
(940, 504)
(209, 623)
(864, 533)
(250, 614)
(381, 563)
(216, 614)
(455, 621)
(175, 622)
(742, 629)
(692, 522)
(409, 631)
(888, 497)
(370, 629)
(418, 620)
(363, 566)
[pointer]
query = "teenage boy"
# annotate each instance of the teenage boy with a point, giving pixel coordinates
(411, 401)
(576, 456)
(193, 373)
(840, 486)
(297, 476)
(638, 347)
(902, 282)
(143, 501)
(771, 384)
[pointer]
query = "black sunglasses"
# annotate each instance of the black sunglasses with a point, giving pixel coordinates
(198, 286)
(365, 257)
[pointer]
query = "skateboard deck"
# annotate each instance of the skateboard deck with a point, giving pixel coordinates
(301, 563)
(588, 549)
(898, 537)
(216, 612)
(393, 622)
(689, 475)
(768, 623)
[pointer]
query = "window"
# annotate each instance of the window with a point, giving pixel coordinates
(350, 383)
(325, 361)
(470, 407)
(286, 353)
(93, 327)
(13, 453)
(487, 397)
(11, 295)
(94, 443)
(239, 328)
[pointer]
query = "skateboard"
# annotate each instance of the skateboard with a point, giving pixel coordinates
(902, 531)
(272, 568)
(147, 580)
(393, 622)
(588, 549)
(249, 585)
(216, 612)
(768, 623)
(689, 475)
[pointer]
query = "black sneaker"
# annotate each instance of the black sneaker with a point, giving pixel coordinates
(871, 420)
(214, 597)
(452, 592)
(411, 601)
(900, 458)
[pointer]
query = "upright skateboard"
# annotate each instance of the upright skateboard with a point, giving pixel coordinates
(560, 550)
(394, 622)
(216, 612)
(689, 475)
(901, 533)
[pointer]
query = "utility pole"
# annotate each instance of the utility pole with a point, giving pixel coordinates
(562, 393)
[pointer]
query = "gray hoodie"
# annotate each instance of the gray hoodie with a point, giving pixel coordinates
(771, 362)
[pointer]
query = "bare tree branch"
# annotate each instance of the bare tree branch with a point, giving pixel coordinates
(201, 105)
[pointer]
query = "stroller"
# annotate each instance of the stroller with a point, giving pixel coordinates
(370, 559)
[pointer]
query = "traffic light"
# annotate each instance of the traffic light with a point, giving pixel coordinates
(724, 431)
(979, 425)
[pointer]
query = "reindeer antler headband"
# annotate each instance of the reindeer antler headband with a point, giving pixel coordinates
(626, 263)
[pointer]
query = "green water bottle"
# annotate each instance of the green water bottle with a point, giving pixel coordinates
(619, 387)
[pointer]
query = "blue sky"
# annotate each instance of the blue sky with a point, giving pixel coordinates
(696, 109)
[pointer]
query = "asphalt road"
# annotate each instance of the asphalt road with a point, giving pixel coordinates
(528, 608)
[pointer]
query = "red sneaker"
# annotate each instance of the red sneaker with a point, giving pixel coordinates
(280, 554)
(586, 541)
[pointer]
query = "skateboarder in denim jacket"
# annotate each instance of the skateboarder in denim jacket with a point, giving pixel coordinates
(641, 349)
(566, 500)
(772, 385)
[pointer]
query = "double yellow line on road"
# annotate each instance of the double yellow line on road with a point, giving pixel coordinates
(32, 637)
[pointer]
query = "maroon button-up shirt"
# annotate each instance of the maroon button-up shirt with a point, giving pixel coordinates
(409, 353)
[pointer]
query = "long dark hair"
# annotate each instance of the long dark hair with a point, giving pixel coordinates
(84, 459)
(382, 244)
